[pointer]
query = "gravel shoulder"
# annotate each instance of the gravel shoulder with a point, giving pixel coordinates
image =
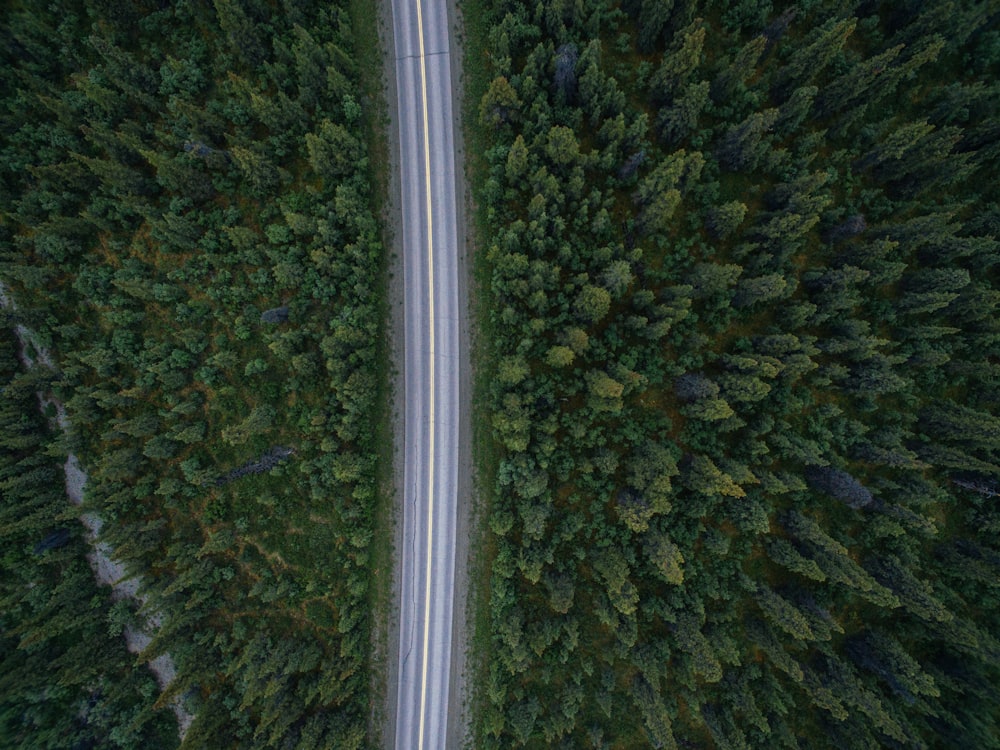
(387, 633)
(458, 699)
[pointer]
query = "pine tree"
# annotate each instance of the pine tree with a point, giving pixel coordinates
(810, 59)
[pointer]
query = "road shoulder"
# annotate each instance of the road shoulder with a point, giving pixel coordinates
(458, 699)
(386, 628)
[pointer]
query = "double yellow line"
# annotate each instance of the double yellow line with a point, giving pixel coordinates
(430, 283)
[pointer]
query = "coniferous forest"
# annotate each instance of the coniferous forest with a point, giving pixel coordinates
(187, 224)
(67, 680)
(743, 292)
(743, 337)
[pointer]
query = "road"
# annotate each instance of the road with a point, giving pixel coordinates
(431, 377)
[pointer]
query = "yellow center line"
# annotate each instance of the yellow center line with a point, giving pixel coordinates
(430, 282)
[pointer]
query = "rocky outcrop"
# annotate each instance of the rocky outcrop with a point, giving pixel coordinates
(274, 315)
(107, 570)
(274, 456)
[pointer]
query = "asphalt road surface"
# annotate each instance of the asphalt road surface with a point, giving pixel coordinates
(429, 205)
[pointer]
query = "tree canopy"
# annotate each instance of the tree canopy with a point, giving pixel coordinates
(745, 253)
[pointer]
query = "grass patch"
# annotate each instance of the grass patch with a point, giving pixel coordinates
(370, 54)
(485, 451)
(365, 20)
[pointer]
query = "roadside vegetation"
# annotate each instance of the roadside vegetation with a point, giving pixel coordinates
(186, 218)
(485, 450)
(743, 314)
(370, 54)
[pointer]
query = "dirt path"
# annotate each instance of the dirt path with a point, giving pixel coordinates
(107, 570)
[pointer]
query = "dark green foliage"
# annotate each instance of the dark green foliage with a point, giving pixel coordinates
(187, 221)
(744, 301)
(67, 680)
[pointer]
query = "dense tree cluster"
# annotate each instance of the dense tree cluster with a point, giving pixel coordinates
(67, 679)
(186, 219)
(744, 319)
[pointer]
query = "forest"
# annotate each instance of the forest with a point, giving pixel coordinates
(743, 317)
(188, 223)
(740, 268)
(67, 679)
